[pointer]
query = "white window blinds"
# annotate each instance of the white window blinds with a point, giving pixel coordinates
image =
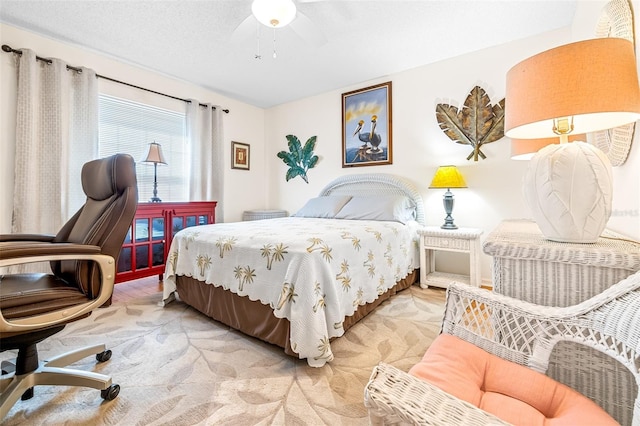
(129, 127)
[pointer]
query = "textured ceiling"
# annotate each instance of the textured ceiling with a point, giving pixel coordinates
(330, 44)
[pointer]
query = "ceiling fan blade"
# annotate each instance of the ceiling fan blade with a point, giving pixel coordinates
(245, 30)
(307, 30)
(304, 27)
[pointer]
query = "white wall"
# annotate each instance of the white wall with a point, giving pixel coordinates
(419, 146)
(244, 189)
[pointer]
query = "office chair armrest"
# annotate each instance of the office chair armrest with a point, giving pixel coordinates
(10, 252)
(393, 395)
(45, 238)
(62, 251)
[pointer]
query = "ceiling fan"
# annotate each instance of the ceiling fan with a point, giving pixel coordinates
(275, 14)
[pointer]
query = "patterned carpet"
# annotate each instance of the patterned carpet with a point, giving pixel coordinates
(177, 367)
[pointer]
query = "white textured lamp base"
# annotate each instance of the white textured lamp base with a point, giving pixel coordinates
(568, 188)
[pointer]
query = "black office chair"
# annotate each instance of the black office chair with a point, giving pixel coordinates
(82, 257)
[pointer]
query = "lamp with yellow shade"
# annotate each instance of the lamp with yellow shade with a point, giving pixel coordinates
(448, 177)
(580, 87)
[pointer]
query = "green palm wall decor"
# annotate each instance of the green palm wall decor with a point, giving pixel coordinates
(299, 159)
(476, 123)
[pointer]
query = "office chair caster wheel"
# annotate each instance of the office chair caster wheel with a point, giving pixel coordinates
(104, 356)
(28, 394)
(110, 393)
(7, 367)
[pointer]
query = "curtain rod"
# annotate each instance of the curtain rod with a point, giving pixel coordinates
(9, 49)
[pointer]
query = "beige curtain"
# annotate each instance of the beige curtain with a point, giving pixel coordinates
(205, 134)
(56, 133)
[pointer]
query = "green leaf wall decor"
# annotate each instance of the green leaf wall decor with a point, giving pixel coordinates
(477, 123)
(299, 159)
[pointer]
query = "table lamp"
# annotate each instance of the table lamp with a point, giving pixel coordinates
(155, 156)
(578, 88)
(448, 177)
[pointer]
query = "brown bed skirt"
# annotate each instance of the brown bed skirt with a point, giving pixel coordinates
(255, 319)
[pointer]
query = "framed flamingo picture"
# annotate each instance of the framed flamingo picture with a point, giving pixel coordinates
(366, 126)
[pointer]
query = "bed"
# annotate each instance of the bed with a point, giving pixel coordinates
(299, 282)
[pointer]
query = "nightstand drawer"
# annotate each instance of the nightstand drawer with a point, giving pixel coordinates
(447, 243)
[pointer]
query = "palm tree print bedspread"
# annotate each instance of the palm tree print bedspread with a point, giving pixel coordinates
(314, 272)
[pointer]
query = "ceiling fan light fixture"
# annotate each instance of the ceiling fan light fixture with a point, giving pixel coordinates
(274, 13)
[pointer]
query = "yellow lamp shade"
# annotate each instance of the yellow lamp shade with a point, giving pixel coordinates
(448, 177)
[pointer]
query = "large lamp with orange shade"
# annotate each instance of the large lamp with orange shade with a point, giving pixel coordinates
(576, 88)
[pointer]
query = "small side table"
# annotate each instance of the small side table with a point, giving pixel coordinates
(529, 267)
(465, 240)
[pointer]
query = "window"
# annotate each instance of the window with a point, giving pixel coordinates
(129, 127)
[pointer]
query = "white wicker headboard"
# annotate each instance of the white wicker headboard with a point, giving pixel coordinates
(376, 184)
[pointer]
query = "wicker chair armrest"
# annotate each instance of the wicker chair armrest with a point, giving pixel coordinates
(459, 291)
(526, 333)
(396, 395)
(527, 309)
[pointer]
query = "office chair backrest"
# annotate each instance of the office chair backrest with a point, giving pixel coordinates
(112, 198)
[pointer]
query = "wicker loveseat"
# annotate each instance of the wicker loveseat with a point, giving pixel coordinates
(516, 331)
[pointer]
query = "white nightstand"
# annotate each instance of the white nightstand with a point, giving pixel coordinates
(465, 240)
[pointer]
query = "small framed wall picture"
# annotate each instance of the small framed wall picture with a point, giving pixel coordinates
(239, 156)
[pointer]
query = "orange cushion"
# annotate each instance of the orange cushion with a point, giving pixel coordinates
(514, 393)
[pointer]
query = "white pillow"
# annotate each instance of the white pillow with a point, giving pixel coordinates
(396, 208)
(323, 207)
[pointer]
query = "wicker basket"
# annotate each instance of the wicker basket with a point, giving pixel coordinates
(263, 214)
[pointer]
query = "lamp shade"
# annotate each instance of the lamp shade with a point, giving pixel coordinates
(448, 177)
(593, 82)
(274, 13)
(525, 149)
(155, 154)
